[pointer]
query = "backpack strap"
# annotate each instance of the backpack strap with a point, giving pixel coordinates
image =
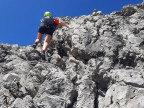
(49, 21)
(56, 22)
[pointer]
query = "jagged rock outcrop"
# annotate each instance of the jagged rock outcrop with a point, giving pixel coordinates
(96, 63)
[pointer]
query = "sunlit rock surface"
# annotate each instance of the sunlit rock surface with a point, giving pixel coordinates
(96, 63)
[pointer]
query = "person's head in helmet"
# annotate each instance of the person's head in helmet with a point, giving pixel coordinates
(47, 14)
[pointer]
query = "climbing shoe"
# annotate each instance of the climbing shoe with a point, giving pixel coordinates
(35, 45)
(43, 55)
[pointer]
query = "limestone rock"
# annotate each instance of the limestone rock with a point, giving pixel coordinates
(27, 102)
(11, 77)
(96, 63)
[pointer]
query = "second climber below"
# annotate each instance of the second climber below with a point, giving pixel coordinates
(48, 26)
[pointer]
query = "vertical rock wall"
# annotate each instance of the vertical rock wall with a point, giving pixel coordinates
(96, 63)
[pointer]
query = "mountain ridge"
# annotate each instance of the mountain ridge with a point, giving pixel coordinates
(96, 63)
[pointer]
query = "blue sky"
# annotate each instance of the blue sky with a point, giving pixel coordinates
(19, 19)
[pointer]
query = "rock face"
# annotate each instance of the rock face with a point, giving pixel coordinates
(96, 63)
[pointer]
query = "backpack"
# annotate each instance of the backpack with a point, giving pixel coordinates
(50, 21)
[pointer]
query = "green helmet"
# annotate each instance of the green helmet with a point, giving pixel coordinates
(47, 14)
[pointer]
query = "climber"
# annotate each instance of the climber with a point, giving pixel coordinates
(48, 26)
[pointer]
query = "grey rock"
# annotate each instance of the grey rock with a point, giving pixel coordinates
(11, 77)
(96, 63)
(85, 93)
(51, 102)
(128, 11)
(56, 84)
(26, 102)
(123, 97)
(99, 12)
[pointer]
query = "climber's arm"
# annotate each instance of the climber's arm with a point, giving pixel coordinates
(62, 24)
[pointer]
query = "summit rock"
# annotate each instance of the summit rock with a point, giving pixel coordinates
(96, 63)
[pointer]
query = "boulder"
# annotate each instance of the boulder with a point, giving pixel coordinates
(11, 77)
